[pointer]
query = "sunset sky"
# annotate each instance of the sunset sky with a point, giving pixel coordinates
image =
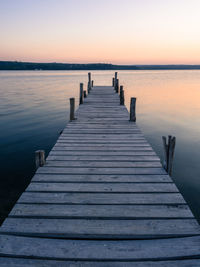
(107, 31)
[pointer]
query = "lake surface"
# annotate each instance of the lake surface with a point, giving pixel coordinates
(34, 108)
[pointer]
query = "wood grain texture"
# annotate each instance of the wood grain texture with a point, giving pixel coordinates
(168, 249)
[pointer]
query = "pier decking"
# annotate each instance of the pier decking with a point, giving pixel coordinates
(102, 199)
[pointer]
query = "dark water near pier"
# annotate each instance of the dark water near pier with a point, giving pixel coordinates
(34, 109)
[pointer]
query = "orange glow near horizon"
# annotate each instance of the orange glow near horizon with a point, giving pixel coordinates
(112, 31)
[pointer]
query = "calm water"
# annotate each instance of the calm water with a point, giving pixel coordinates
(34, 109)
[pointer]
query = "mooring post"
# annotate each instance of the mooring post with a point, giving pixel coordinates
(89, 82)
(132, 109)
(113, 82)
(85, 93)
(72, 108)
(81, 93)
(39, 158)
(121, 95)
(89, 77)
(169, 152)
(117, 86)
(92, 83)
(115, 75)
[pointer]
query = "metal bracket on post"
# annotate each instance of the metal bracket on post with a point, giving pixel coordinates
(169, 149)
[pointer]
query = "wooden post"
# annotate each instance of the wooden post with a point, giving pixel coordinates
(85, 93)
(72, 108)
(92, 83)
(39, 158)
(113, 82)
(117, 86)
(89, 77)
(121, 95)
(132, 109)
(169, 152)
(81, 94)
(89, 82)
(115, 75)
(88, 88)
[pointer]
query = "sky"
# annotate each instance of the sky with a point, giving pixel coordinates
(106, 31)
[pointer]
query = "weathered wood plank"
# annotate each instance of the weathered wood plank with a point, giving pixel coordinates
(118, 171)
(101, 178)
(109, 145)
(103, 164)
(103, 187)
(101, 229)
(100, 198)
(101, 211)
(160, 249)
(109, 136)
(100, 158)
(102, 153)
(21, 262)
(62, 147)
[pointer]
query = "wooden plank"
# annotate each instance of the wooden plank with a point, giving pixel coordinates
(103, 131)
(101, 178)
(101, 211)
(160, 249)
(103, 148)
(99, 158)
(118, 171)
(109, 145)
(130, 154)
(101, 142)
(101, 229)
(100, 198)
(106, 136)
(103, 187)
(102, 153)
(103, 164)
(21, 262)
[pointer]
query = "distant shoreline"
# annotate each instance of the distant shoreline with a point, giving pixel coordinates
(16, 65)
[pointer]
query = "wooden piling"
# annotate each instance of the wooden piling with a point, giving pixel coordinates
(89, 77)
(89, 82)
(132, 109)
(169, 149)
(121, 95)
(39, 158)
(115, 75)
(72, 108)
(92, 83)
(85, 93)
(81, 94)
(117, 85)
(113, 82)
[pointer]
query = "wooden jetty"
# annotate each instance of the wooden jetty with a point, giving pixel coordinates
(101, 199)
